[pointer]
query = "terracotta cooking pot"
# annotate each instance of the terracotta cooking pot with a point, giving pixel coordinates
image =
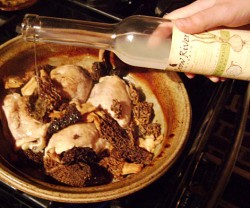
(164, 89)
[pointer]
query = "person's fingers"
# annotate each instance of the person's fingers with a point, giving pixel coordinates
(213, 78)
(223, 79)
(163, 31)
(190, 9)
(227, 14)
(203, 20)
(189, 75)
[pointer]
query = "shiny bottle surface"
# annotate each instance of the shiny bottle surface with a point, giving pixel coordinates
(131, 39)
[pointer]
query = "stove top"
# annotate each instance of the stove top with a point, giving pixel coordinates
(200, 175)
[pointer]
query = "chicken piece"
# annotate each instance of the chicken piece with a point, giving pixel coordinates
(27, 132)
(75, 82)
(77, 135)
(104, 93)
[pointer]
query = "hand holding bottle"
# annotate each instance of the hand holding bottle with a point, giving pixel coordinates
(151, 42)
(203, 15)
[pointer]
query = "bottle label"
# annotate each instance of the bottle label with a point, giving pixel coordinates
(224, 53)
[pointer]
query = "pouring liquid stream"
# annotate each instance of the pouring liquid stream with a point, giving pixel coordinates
(35, 65)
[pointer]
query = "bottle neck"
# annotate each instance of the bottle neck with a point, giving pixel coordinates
(67, 31)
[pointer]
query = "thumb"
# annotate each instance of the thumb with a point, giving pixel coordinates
(201, 21)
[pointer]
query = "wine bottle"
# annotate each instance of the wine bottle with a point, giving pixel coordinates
(151, 42)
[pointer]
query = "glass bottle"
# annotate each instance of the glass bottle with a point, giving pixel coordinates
(126, 39)
(151, 42)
